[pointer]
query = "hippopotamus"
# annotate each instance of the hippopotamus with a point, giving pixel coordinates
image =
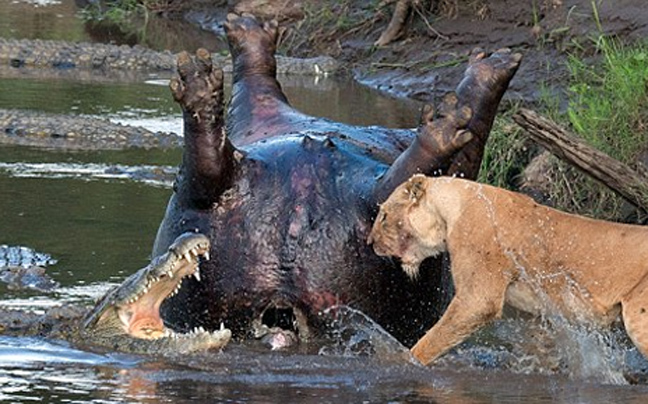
(288, 200)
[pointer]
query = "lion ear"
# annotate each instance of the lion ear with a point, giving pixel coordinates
(416, 187)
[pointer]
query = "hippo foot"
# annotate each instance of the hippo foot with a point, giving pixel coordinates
(486, 80)
(494, 70)
(199, 89)
(482, 88)
(443, 132)
(252, 44)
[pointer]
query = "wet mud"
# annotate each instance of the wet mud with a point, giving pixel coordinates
(428, 59)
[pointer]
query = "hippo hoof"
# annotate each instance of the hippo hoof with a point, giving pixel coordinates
(252, 44)
(443, 130)
(497, 67)
(199, 87)
(245, 30)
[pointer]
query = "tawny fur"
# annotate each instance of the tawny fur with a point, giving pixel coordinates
(505, 248)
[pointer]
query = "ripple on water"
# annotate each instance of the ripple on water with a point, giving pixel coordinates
(77, 294)
(27, 352)
(32, 369)
(161, 176)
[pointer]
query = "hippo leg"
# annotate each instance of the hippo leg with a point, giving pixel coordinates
(482, 88)
(209, 157)
(437, 140)
(453, 142)
(259, 108)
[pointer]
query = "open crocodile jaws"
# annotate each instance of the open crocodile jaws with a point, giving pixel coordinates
(133, 309)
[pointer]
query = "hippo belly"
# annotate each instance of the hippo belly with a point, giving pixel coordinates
(287, 200)
(289, 236)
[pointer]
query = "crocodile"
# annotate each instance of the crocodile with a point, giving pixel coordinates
(24, 268)
(127, 318)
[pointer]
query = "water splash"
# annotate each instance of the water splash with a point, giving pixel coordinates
(352, 333)
(580, 349)
(589, 352)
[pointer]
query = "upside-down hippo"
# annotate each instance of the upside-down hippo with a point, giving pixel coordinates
(287, 200)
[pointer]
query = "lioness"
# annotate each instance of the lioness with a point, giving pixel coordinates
(505, 248)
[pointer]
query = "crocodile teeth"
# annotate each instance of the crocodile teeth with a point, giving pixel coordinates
(169, 273)
(206, 255)
(196, 274)
(222, 326)
(187, 256)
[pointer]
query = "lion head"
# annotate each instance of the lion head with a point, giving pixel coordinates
(409, 225)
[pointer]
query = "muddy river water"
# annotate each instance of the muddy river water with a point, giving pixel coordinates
(97, 213)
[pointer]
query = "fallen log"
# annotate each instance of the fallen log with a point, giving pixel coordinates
(631, 184)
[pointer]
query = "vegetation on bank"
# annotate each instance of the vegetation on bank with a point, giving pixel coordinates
(607, 106)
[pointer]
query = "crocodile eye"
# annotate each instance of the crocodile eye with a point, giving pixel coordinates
(383, 218)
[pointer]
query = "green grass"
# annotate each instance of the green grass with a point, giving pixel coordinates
(608, 103)
(506, 153)
(607, 106)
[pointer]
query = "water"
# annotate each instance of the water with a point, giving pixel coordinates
(96, 213)
(60, 20)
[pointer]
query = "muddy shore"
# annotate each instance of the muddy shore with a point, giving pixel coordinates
(430, 57)
(54, 131)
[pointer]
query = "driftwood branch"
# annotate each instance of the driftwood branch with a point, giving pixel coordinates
(630, 184)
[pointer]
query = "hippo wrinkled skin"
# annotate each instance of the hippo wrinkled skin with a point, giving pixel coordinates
(287, 200)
